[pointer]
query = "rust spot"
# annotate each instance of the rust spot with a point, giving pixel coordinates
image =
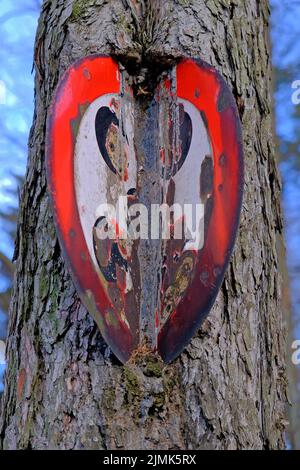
(197, 93)
(174, 157)
(87, 74)
(176, 284)
(112, 145)
(111, 319)
(171, 193)
(21, 383)
(241, 105)
(217, 271)
(183, 275)
(204, 276)
(206, 177)
(222, 160)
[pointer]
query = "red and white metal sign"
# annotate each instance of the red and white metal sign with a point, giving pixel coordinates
(147, 196)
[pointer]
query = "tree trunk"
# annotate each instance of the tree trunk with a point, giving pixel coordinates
(64, 387)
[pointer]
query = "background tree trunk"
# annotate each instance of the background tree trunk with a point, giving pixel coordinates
(64, 387)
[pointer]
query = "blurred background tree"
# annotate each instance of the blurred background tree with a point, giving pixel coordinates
(286, 60)
(18, 22)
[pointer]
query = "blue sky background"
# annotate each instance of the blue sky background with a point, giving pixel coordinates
(18, 23)
(17, 30)
(285, 34)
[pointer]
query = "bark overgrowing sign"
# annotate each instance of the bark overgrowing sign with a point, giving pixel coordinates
(147, 194)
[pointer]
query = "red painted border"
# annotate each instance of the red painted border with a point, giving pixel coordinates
(203, 86)
(84, 82)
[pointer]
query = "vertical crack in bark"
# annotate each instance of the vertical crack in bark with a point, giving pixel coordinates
(145, 64)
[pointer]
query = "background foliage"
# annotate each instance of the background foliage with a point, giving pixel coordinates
(18, 22)
(285, 33)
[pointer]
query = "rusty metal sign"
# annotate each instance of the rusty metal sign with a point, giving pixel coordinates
(147, 196)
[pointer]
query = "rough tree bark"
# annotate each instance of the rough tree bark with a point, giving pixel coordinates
(64, 387)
